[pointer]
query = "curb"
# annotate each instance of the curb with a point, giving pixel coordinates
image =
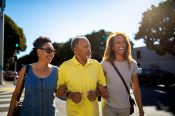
(7, 89)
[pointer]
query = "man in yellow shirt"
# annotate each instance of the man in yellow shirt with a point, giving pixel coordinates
(82, 76)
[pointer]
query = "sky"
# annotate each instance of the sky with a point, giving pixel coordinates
(63, 19)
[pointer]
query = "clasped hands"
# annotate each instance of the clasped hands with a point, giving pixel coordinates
(77, 96)
(92, 95)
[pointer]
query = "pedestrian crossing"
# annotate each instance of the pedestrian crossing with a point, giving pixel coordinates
(5, 98)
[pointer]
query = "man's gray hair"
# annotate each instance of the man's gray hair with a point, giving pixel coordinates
(75, 41)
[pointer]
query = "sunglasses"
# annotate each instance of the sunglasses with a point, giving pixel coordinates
(48, 50)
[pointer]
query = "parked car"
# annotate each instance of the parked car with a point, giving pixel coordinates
(155, 77)
(10, 75)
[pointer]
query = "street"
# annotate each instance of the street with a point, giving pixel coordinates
(157, 101)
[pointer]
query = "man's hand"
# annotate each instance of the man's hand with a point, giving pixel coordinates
(61, 91)
(75, 96)
(92, 95)
(102, 90)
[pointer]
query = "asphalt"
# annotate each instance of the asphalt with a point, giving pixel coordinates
(9, 87)
(6, 91)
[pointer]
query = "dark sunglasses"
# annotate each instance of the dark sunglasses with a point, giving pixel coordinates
(48, 50)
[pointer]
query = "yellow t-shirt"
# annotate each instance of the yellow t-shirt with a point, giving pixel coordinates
(79, 78)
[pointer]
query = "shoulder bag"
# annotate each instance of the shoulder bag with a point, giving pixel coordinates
(19, 103)
(131, 100)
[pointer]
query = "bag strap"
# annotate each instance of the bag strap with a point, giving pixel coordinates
(22, 87)
(127, 89)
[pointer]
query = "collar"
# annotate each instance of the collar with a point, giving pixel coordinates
(76, 62)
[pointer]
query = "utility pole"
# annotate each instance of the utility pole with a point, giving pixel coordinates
(15, 65)
(2, 6)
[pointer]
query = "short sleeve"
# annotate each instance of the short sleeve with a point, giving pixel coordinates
(135, 67)
(61, 75)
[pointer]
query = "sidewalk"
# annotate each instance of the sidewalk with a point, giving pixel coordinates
(8, 86)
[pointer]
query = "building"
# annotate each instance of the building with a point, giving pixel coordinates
(150, 59)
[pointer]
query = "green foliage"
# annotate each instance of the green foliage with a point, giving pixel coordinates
(98, 42)
(12, 35)
(58, 58)
(64, 52)
(27, 59)
(158, 28)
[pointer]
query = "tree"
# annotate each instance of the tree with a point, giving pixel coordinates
(27, 59)
(98, 42)
(32, 56)
(13, 35)
(64, 52)
(158, 28)
(58, 58)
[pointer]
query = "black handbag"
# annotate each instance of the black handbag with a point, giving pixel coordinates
(19, 103)
(131, 100)
(17, 109)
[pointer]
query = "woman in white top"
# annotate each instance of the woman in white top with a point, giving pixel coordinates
(118, 51)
